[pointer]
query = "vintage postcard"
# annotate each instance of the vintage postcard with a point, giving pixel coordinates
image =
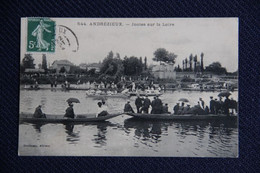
(153, 87)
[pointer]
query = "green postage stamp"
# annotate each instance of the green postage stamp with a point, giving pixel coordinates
(41, 35)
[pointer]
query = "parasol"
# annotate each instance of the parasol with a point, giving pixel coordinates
(71, 100)
(224, 94)
(183, 100)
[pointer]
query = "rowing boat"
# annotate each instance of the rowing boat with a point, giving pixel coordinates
(182, 117)
(52, 118)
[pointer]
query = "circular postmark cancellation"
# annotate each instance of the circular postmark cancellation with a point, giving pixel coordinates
(66, 39)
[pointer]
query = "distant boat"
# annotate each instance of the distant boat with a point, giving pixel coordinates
(144, 93)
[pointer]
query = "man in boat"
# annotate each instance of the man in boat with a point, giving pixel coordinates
(207, 110)
(69, 111)
(226, 106)
(233, 105)
(186, 109)
(217, 106)
(101, 111)
(176, 108)
(146, 105)
(38, 113)
(212, 105)
(181, 108)
(128, 107)
(153, 104)
(138, 103)
(157, 105)
(165, 109)
(104, 105)
(202, 103)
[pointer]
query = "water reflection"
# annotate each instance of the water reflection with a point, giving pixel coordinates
(214, 137)
(72, 137)
(147, 130)
(37, 127)
(100, 138)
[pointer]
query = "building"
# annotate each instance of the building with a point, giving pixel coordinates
(164, 71)
(58, 64)
(83, 66)
(96, 66)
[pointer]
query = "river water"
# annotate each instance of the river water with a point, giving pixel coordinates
(123, 135)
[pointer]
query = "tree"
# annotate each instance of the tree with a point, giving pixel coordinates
(44, 62)
(178, 69)
(62, 70)
(216, 68)
(195, 59)
(183, 62)
(145, 63)
(112, 66)
(186, 64)
(132, 66)
(92, 71)
(201, 61)
(27, 61)
(161, 54)
(190, 62)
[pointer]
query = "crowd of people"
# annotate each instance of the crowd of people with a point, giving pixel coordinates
(157, 107)
(143, 105)
(215, 106)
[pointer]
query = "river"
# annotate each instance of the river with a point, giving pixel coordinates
(123, 135)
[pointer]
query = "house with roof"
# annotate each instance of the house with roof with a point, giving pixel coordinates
(96, 66)
(58, 64)
(164, 71)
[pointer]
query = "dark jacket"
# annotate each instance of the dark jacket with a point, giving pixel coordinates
(176, 109)
(69, 112)
(165, 109)
(158, 104)
(138, 102)
(128, 108)
(38, 113)
(212, 105)
(147, 103)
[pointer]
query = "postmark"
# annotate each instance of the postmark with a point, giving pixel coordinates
(41, 35)
(66, 39)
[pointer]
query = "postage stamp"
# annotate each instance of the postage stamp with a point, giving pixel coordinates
(153, 87)
(41, 35)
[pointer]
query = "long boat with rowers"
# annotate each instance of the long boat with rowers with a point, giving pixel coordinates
(59, 118)
(182, 117)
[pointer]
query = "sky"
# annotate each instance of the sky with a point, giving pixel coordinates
(217, 38)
